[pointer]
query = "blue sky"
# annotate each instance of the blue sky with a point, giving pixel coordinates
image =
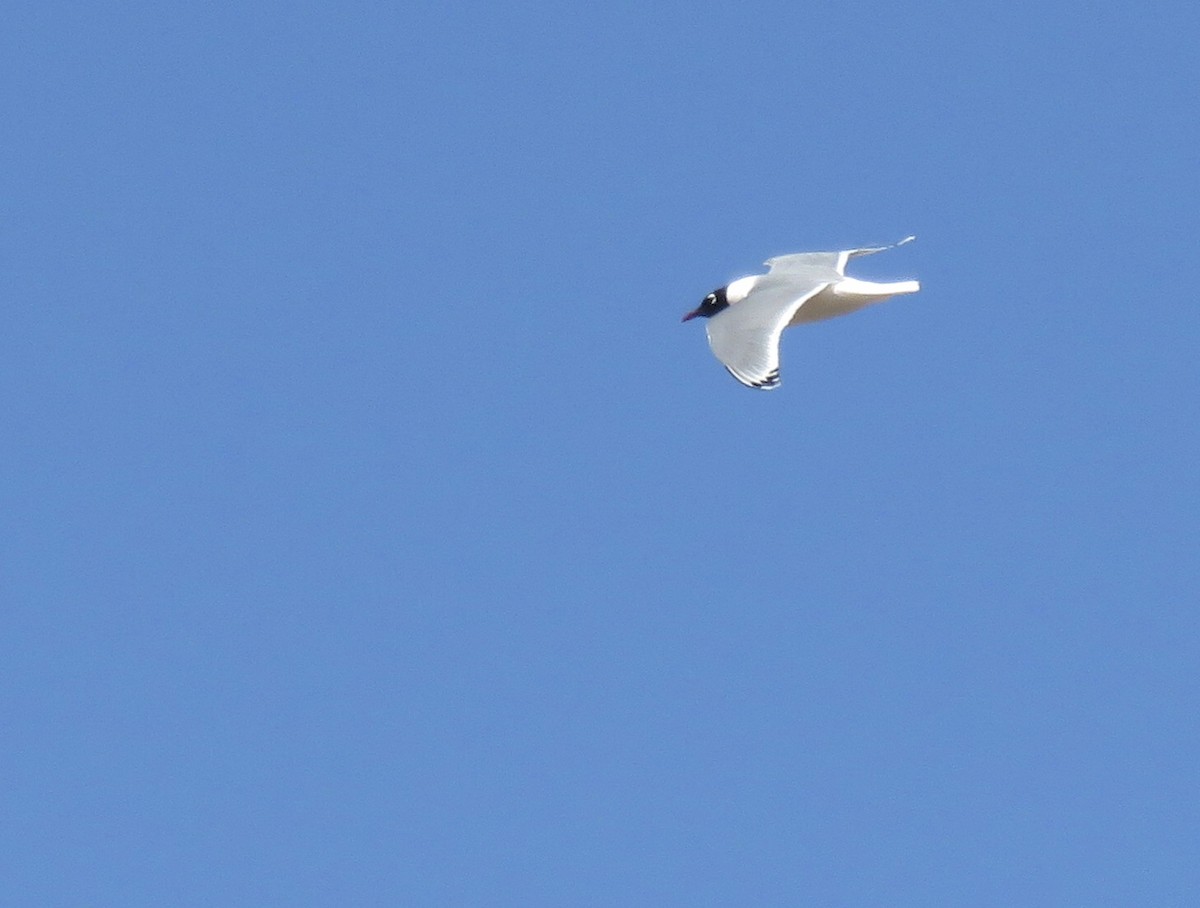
(374, 534)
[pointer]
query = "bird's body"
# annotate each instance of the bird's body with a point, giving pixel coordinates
(747, 316)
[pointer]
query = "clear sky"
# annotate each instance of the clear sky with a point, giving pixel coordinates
(374, 534)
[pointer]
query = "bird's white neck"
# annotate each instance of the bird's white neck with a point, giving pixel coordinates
(738, 290)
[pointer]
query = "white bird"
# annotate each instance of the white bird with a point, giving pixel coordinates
(747, 316)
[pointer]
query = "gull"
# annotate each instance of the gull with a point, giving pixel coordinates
(747, 316)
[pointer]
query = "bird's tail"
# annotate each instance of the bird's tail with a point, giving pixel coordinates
(870, 290)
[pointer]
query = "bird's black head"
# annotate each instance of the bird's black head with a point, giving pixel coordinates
(712, 304)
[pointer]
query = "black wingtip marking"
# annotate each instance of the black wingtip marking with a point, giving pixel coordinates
(769, 383)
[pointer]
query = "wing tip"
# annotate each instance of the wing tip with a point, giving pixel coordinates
(769, 382)
(845, 254)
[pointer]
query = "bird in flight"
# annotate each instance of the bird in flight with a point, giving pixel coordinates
(747, 316)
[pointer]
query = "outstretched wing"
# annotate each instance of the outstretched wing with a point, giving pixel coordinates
(871, 250)
(745, 337)
(825, 261)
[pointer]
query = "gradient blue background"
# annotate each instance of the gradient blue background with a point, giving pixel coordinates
(374, 534)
